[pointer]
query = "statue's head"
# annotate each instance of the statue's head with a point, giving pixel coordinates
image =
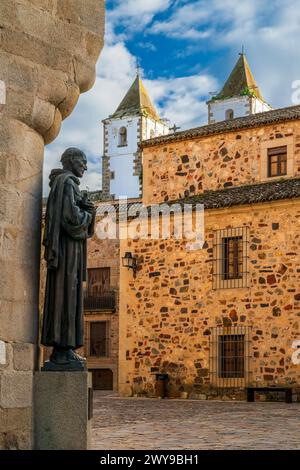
(74, 160)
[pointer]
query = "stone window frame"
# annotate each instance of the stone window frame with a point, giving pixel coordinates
(218, 281)
(264, 163)
(214, 358)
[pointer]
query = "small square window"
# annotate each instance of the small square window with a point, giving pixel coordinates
(277, 161)
(277, 158)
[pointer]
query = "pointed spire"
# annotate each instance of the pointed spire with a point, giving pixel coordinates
(136, 101)
(240, 81)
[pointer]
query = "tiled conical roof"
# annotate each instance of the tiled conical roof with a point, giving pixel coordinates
(240, 82)
(136, 101)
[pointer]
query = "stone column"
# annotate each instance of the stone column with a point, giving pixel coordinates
(48, 51)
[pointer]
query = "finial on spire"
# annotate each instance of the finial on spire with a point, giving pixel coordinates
(138, 67)
(243, 50)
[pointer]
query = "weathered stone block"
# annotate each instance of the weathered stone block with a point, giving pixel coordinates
(61, 402)
(82, 13)
(15, 429)
(15, 389)
(23, 356)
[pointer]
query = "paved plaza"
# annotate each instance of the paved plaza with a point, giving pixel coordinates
(144, 423)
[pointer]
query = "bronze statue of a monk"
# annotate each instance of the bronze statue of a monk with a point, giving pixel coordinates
(70, 219)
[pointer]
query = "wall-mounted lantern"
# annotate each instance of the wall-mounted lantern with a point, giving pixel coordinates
(129, 261)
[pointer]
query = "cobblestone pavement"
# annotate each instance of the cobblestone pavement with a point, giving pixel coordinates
(144, 423)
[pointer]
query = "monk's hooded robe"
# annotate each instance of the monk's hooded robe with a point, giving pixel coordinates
(67, 227)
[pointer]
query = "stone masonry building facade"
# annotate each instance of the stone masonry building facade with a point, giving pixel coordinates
(218, 318)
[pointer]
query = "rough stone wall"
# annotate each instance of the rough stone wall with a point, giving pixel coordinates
(48, 51)
(189, 167)
(167, 310)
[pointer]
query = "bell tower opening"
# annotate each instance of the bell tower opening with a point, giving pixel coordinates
(123, 137)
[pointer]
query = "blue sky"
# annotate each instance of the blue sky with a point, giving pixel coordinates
(186, 49)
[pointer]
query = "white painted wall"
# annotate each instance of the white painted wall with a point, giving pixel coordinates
(113, 127)
(258, 106)
(152, 128)
(241, 106)
(125, 183)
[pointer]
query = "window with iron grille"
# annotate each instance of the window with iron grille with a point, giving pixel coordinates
(230, 356)
(99, 339)
(277, 161)
(230, 258)
(232, 250)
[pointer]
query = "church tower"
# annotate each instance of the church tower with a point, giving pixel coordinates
(240, 96)
(135, 119)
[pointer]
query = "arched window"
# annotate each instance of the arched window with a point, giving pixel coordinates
(229, 114)
(122, 137)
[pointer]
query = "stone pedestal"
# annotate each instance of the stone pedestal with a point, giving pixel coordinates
(62, 410)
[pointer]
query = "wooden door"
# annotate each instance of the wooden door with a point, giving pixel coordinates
(102, 379)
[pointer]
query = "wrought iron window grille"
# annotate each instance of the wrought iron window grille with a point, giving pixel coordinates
(230, 258)
(230, 358)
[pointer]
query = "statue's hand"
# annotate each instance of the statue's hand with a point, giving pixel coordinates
(89, 207)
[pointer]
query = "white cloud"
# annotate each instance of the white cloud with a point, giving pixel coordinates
(182, 99)
(134, 15)
(202, 19)
(183, 23)
(147, 45)
(268, 30)
(133, 8)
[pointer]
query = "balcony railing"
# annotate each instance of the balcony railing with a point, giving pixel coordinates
(103, 301)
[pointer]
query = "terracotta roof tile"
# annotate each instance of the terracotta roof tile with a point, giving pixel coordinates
(255, 120)
(247, 194)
